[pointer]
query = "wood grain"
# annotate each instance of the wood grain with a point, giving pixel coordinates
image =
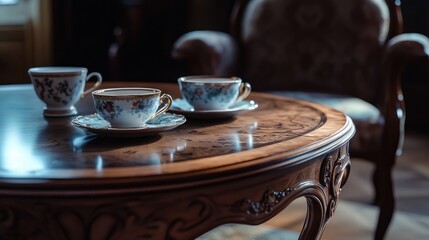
(174, 185)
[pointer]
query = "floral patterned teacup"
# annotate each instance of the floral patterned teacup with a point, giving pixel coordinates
(60, 88)
(213, 92)
(130, 107)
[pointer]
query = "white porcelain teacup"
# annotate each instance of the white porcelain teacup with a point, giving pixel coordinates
(60, 88)
(130, 107)
(213, 92)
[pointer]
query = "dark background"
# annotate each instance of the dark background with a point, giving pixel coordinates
(416, 76)
(84, 32)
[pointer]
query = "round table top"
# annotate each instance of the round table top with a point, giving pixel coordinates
(40, 152)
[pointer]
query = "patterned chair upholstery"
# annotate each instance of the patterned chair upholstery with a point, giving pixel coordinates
(347, 54)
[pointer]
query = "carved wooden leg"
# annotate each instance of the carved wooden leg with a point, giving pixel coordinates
(335, 170)
(314, 224)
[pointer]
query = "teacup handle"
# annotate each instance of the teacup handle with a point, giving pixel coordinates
(167, 104)
(96, 84)
(245, 89)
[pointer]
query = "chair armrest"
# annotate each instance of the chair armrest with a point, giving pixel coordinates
(400, 51)
(206, 52)
(408, 45)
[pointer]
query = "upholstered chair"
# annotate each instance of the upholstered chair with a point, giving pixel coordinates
(347, 54)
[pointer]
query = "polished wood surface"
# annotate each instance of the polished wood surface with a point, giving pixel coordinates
(58, 181)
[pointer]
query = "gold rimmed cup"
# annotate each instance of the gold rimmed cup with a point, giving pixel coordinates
(209, 92)
(60, 88)
(130, 107)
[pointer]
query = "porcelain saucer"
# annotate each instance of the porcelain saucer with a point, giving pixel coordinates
(96, 124)
(181, 106)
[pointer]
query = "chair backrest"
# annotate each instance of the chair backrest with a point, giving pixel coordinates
(322, 45)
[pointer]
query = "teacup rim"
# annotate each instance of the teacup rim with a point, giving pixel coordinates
(56, 70)
(102, 92)
(193, 78)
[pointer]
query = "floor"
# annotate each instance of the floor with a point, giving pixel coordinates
(411, 177)
(355, 217)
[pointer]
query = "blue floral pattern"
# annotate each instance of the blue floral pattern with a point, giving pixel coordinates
(60, 92)
(127, 109)
(108, 109)
(209, 96)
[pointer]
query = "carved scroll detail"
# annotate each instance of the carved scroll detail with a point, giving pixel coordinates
(124, 219)
(269, 200)
(326, 175)
(332, 177)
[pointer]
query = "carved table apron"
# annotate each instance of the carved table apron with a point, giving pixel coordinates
(60, 182)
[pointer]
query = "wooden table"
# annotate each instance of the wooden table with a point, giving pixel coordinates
(58, 181)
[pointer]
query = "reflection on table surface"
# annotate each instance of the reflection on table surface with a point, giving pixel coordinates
(35, 146)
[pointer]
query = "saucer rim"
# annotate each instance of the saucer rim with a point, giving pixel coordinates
(255, 104)
(214, 113)
(128, 132)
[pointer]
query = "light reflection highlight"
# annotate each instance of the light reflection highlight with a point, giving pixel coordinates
(170, 152)
(251, 129)
(249, 141)
(18, 156)
(99, 163)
